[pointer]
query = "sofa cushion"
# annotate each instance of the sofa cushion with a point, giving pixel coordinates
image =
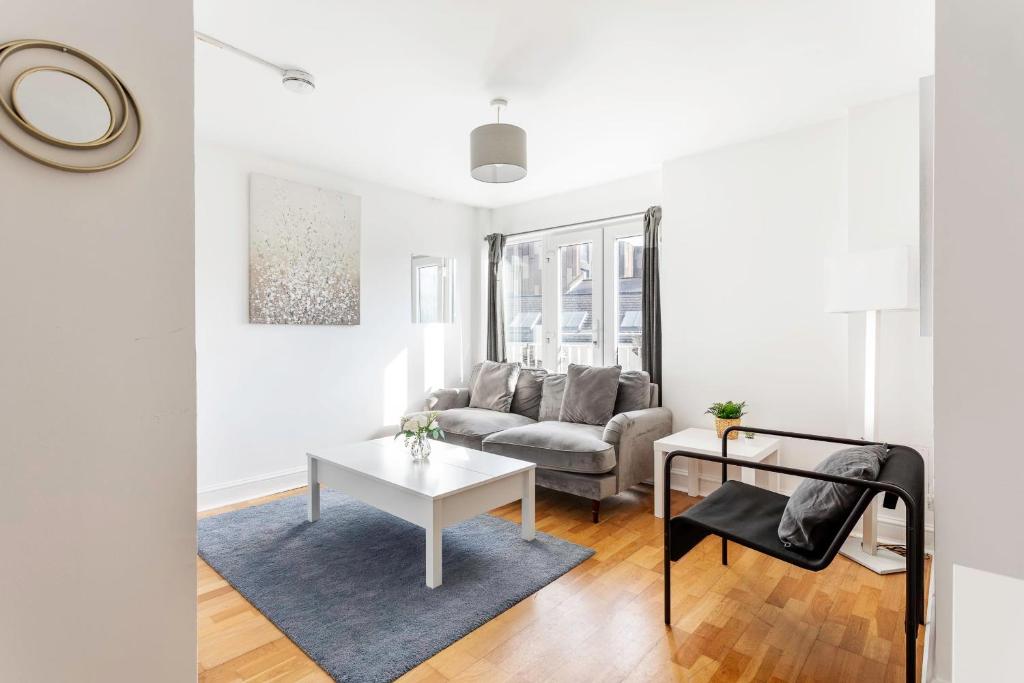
(634, 391)
(468, 426)
(563, 446)
(590, 393)
(495, 386)
(816, 506)
(529, 390)
(551, 397)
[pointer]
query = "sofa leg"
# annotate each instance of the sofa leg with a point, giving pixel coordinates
(595, 510)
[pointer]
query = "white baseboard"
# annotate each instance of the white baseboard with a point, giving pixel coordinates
(890, 527)
(251, 487)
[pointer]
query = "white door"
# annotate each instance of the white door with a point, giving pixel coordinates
(575, 297)
(623, 314)
(574, 301)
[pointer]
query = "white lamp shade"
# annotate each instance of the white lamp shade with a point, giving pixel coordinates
(498, 153)
(879, 280)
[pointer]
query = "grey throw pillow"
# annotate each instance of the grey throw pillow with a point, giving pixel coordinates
(551, 397)
(590, 394)
(529, 389)
(473, 373)
(816, 507)
(634, 391)
(494, 386)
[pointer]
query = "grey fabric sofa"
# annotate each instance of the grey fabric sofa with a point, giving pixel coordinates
(591, 461)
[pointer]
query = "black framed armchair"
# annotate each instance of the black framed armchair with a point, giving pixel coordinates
(750, 516)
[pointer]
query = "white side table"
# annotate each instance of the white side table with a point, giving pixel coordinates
(704, 441)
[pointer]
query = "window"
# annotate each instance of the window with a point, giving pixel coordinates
(628, 314)
(523, 288)
(428, 282)
(432, 300)
(577, 334)
(589, 283)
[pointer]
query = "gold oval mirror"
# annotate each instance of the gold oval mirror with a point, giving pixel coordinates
(61, 105)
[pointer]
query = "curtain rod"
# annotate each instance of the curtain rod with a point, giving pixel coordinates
(635, 214)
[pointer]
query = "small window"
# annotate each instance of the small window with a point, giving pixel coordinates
(432, 297)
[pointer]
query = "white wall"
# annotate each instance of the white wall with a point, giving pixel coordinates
(978, 328)
(268, 393)
(884, 208)
(884, 211)
(746, 232)
(97, 396)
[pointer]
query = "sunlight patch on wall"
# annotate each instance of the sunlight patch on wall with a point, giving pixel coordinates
(433, 357)
(396, 388)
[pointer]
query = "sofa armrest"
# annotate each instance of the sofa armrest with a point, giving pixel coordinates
(445, 399)
(633, 434)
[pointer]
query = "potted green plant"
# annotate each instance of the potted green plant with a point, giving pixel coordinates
(727, 415)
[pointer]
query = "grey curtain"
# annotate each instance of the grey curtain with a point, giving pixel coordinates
(650, 343)
(495, 299)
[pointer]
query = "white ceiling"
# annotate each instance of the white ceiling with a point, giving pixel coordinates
(605, 89)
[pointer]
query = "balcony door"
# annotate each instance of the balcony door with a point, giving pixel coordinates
(574, 297)
(624, 263)
(573, 270)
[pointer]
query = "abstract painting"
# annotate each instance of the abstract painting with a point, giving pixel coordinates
(303, 254)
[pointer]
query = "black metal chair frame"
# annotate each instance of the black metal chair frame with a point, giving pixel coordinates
(914, 525)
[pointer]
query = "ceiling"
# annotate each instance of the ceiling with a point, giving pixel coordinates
(604, 88)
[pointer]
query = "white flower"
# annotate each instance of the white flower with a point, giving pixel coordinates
(413, 422)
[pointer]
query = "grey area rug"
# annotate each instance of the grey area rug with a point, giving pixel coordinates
(349, 589)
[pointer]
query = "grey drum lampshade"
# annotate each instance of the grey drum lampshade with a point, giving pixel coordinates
(498, 153)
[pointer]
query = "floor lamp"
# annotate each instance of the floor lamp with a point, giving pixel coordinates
(871, 282)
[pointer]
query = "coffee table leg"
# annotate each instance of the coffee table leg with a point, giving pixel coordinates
(313, 495)
(434, 531)
(529, 507)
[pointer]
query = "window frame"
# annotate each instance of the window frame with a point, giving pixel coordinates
(603, 276)
(445, 298)
(634, 228)
(541, 343)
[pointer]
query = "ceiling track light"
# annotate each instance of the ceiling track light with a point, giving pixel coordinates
(294, 80)
(497, 151)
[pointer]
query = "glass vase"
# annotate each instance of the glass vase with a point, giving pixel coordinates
(419, 447)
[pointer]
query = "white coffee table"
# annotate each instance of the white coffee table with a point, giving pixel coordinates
(706, 442)
(454, 484)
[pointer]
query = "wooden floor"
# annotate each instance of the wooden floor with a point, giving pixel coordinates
(756, 620)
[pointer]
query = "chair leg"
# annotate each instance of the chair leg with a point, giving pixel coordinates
(595, 510)
(912, 605)
(922, 589)
(725, 552)
(668, 582)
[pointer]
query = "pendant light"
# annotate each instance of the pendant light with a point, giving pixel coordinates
(498, 150)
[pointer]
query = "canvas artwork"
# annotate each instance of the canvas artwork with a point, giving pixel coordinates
(303, 254)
